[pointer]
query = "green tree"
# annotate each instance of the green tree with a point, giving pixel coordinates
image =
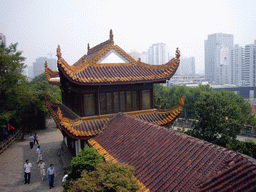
(86, 159)
(107, 176)
(11, 81)
(41, 87)
(221, 116)
(22, 102)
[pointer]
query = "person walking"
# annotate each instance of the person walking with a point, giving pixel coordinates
(35, 139)
(27, 171)
(31, 141)
(51, 173)
(42, 167)
(39, 154)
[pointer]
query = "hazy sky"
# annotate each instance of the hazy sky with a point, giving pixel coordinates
(40, 26)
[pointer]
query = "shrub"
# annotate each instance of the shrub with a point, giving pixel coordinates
(86, 159)
(247, 148)
(107, 176)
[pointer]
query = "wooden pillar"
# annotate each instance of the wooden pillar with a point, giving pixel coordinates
(151, 98)
(140, 99)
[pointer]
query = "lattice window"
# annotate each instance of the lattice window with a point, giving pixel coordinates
(145, 99)
(109, 103)
(89, 104)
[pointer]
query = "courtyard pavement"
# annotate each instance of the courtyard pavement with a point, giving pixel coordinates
(13, 159)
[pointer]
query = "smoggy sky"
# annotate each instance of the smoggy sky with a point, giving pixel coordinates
(40, 26)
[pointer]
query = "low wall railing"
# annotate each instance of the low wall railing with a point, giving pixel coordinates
(9, 141)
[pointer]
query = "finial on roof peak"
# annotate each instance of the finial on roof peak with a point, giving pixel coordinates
(58, 52)
(45, 64)
(59, 114)
(111, 35)
(88, 47)
(177, 53)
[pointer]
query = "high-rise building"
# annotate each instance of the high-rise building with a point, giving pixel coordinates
(30, 71)
(217, 49)
(144, 57)
(2, 38)
(187, 66)
(157, 54)
(236, 64)
(38, 66)
(249, 67)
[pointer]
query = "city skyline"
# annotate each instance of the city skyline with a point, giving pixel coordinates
(39, 27)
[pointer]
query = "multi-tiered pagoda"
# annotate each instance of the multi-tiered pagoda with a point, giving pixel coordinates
(107, 103)
(102, 83)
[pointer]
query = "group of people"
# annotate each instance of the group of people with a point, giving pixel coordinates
(51, 171)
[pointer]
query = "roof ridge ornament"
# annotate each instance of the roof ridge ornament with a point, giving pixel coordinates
(45, 64)
(58, 52)
(111, 36)
(177, 53)
(59, 114)
(182, 101)
(88, 48)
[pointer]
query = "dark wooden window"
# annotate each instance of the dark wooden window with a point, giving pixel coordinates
(76, 103)
(128, 100)
(89, 104)
(109, 103)
(103, 103)
(116, 102)
(134, 101)
(122, 101)
(146, 99)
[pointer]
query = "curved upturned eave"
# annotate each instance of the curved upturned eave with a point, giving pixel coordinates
(164, 117)
(166, 72)
(52, 76)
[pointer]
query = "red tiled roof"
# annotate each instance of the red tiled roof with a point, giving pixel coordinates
(87, 127)
(165, 160)
(87, 71)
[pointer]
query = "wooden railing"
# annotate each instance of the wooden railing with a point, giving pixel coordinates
(8, 142)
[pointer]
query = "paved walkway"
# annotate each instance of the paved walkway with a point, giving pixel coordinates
(13, 159)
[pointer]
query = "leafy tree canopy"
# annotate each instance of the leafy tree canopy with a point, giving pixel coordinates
(17, 95)
(11, 81)
(107, 176)
(86, 159)
(220, 115)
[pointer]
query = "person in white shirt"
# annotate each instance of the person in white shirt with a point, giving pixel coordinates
(65, 177)
(39, 154)
(42, 167)
(27, 170)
